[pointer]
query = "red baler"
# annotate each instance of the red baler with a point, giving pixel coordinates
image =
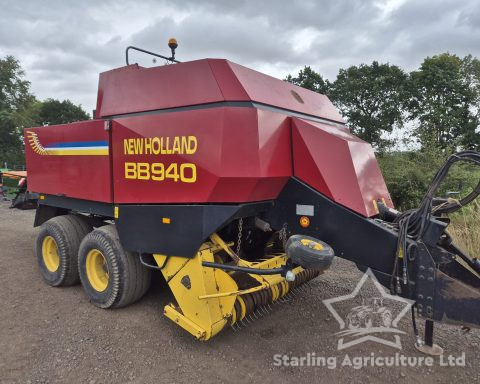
(224, 178)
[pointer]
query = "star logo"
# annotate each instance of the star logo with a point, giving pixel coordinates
(379, 315)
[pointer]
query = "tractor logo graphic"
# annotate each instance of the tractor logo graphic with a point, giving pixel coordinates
(377, 316)
(367, 316)
(78, 148)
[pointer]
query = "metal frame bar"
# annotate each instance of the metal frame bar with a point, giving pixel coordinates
(148, 53)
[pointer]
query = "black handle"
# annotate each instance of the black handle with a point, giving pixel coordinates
(148, 53)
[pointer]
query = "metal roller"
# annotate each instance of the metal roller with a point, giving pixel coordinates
(256, 302)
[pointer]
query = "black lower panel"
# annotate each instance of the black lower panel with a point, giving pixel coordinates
(352, 236)
(177, 230)
(51, 205)
(455, 302)
(77, 205)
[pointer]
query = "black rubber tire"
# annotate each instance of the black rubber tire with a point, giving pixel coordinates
(128, 279)
(307, 257)
(68, 232)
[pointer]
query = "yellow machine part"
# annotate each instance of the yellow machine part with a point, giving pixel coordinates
(208, 299)
(189, 280)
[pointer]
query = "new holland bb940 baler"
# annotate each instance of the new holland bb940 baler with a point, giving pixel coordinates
(223, 179)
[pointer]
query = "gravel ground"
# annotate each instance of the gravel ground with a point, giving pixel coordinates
(50, 335)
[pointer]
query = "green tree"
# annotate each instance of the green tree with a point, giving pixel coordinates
(53, 111)
(442, 98)
(309, 79)
(470, 138)
(15, 110)
(370, 98)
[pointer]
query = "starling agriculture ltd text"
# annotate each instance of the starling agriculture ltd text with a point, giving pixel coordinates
(359, 362)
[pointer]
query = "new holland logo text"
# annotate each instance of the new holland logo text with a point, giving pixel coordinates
(157, 148)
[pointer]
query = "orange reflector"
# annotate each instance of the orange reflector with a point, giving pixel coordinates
(166, 220)
(304, 222)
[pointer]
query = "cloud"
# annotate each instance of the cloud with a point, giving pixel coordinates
(64, 45)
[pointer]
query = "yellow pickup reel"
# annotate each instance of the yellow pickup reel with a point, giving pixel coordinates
(211, 294)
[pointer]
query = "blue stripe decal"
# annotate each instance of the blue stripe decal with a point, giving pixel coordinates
(79, 144)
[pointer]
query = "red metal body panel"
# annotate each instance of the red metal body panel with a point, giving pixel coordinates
(242, 154)
(269, 90)
(339, 165)
(219, 153)
(80, 176)
(136, 89)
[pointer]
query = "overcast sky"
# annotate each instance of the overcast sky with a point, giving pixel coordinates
(63, 45)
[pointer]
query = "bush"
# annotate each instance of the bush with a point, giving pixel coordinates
(409, 174)
(465, 229)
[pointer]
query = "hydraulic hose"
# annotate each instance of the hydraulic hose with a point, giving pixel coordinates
(413, 222)
(254, 271)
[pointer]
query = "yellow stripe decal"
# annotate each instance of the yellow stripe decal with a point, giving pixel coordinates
(77, 152)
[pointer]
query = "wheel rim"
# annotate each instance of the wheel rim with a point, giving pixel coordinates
(312, 244)
(97, 270)
(50, 256)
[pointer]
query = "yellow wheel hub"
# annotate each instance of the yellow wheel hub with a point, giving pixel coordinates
(97, 270)
(50, 256)
(312, 244)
